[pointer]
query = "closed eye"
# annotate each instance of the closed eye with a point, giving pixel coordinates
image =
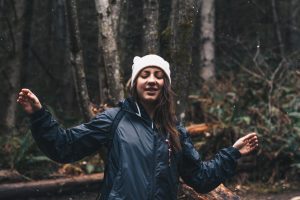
(159, 74)
(144, 74)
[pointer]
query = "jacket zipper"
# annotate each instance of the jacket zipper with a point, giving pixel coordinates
(154, 164)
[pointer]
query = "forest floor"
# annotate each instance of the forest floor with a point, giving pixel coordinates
(253, 192)
(286, 195)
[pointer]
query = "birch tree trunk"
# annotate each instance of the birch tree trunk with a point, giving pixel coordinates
(150, 27)
(181, 25)
(207, 31)
(108, 18)
(77, 61)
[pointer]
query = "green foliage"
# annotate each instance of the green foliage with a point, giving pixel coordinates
(272, 110)
(19, 152)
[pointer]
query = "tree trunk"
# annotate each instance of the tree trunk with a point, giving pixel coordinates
(41, 188)
(89, 182)
(67, 90)
(108, 18)
(150, 26)
(181, 50)
(14, 64)
(278, 31)
(77, 61)
(295, 20)
(207, 48)
(13, 73)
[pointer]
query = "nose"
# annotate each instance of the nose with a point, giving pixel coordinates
(151, 79)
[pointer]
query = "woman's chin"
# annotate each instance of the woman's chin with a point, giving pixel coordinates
(150, 99)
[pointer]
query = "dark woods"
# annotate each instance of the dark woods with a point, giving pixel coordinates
(235, 65)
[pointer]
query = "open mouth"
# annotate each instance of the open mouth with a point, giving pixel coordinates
(151, 91)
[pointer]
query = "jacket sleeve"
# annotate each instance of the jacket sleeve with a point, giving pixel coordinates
(72, 144)
(204, 176)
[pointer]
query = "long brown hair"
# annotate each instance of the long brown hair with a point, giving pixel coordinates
(164, 116)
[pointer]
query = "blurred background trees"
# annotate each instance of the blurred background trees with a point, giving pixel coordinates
(235, 65)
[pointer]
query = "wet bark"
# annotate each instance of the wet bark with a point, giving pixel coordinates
(150, 26)
(14, 63)
(108, 18)
(181, 29)
(77, 61)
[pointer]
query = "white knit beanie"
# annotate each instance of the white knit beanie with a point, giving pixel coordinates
(140, 63)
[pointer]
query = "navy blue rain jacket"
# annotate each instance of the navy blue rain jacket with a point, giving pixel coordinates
(138, 162)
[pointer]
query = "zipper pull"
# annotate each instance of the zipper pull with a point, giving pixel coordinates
(169, 149)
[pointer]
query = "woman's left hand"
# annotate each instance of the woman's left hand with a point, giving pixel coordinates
(246, 144)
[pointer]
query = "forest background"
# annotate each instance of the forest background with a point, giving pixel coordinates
(234, 66)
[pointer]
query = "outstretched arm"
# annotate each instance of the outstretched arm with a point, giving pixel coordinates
(204, 176)
(60, 144)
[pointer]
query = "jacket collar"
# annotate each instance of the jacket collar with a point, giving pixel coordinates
(133, 106)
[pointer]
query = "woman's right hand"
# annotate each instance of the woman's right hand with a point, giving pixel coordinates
(28, 101)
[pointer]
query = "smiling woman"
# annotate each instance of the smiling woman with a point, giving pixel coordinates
(149, 149)
(149, 84)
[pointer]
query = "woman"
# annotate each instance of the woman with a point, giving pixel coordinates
(149, 151)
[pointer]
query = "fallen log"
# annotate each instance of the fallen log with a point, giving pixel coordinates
(10, 176)
(198, 129)
(92, 183)
(46, 187)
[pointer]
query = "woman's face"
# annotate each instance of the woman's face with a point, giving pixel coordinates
(149, 84)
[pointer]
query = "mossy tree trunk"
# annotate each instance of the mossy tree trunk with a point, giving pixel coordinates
(16, 22)
(108, 20)
(77, 61)
(181, 29)
(150, 26)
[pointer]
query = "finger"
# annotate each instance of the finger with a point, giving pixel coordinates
(22, 94)
(23, 98)
(25, 90)
(20, 98)
(253, 139)
(31, 97)
(249, 136)
(23, 103)
(254, 145)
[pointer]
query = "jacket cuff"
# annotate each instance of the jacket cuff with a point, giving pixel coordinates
(234, 152)
(37, 114)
